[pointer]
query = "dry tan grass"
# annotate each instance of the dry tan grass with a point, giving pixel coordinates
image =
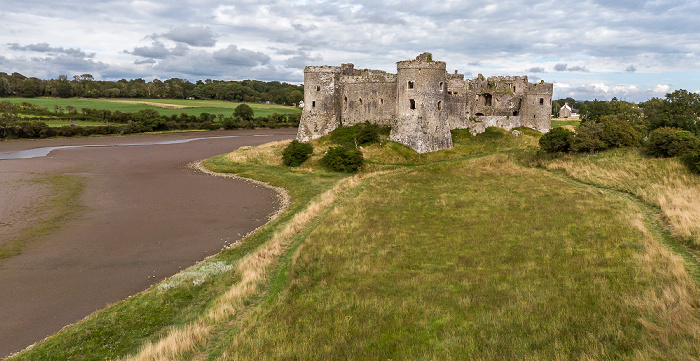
(668, 309)
(172, 346)
(253, 270)
(661, 182)
(268, 154)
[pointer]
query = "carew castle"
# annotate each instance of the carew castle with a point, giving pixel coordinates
(421, 103)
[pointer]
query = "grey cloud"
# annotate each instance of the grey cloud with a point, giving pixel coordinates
(302, 60)
(158, 50)
(631, 69)
(241, 57)
(560, 67)
(535, 70)
(46, 48)
(201, 36)
(565, 67)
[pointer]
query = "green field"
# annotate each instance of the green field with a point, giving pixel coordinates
(560, 122)
(163, 106)
(489, 250)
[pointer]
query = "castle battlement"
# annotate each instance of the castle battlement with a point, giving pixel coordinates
(421, 103)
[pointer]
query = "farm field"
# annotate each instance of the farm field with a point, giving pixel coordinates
(163, 106)
(561, 122)
(483, 251)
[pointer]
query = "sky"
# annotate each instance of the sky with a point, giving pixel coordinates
(590, 49)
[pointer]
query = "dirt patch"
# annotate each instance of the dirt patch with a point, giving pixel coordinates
(144, 214)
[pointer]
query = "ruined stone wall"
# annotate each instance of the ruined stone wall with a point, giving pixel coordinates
(421, 108)
(368, 95)
(421, 103)
(478, 125)
(457, 92)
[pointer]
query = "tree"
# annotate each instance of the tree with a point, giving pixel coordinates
(243, 112)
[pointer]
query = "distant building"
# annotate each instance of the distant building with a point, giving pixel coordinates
(565, 111)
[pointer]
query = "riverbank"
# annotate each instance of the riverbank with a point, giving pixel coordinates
(142, 215)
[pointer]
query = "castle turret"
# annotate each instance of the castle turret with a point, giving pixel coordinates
(421, 107)
(538, 106)
(321, 114)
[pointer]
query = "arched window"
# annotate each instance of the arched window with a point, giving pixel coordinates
(439, 105)
(318, 88)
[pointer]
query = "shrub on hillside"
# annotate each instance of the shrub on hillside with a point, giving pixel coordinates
(692, 161)
(671, 142)
(618, 133)
(556, 140)
(341, 159)
(296, 153)
(358, 134)
(588, 138)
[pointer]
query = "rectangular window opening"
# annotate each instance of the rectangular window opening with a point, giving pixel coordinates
(439, 105)
(318, 88)
(410, 84)
(541, 101)
(313, 104)
(412, 103)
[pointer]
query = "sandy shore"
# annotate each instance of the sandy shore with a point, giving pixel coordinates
(143, 215)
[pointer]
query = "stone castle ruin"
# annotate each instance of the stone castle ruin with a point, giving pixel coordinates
(421, 103)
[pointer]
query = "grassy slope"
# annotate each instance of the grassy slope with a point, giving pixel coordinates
(455, 254)
(193, 107)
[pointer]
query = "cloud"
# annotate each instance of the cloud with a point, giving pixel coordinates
(301, 60)
(535, 70)
(662, 88)
(241, 57)
(201, 36)
(46, 48)
(565, 67)
(631, 69)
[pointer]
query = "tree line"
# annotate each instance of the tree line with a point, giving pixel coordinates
(249, 91)
(13, 126)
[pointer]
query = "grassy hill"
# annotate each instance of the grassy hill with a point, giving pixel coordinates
(490, 250)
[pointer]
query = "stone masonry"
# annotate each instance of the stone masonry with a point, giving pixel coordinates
(421, 103)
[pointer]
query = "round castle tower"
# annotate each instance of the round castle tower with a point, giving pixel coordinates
(421, 105)
(321, 108)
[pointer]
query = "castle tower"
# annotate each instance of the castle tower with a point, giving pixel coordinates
(421, 105)
(538, 106)
(321, 114)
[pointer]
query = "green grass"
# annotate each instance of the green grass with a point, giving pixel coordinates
(478, 252)
(560, 122)
(192, 107)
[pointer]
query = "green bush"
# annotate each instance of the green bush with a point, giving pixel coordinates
(588, 138)
(296, 153)
(618, 133)
(341, 159)
(358, 134)
(556, 140)
(692, 161)
(671, 142)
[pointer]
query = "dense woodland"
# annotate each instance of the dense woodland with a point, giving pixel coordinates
(250, 91)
